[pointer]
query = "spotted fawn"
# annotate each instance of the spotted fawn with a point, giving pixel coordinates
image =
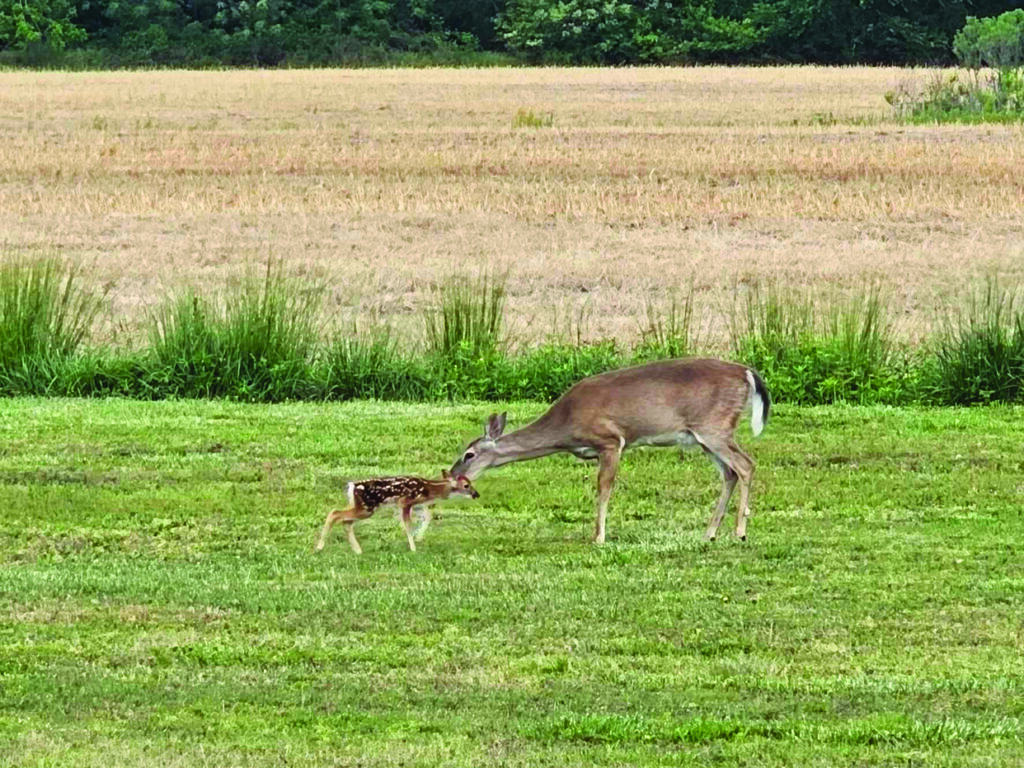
(367, 496)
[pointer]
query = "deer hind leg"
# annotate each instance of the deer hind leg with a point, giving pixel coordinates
(348, 517)
(744, 467)
(608, 465)
(735, 466)
(729, 478)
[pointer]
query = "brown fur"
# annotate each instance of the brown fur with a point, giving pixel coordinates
(405, 492)
(673, 402)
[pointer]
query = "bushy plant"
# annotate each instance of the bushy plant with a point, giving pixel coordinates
(979, 355)
(257, 342)
(45, 315)
(997, 96)
(820, 349)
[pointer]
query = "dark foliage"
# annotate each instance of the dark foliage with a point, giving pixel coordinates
(266, 33)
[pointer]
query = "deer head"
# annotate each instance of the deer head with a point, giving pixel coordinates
(481, 453)
(459, 484)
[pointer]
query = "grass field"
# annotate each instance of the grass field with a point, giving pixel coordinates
(388, 181)
(160, 603)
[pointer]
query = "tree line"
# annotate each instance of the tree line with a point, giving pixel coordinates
(116, 33)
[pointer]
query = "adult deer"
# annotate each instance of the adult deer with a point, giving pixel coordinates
(669, 403)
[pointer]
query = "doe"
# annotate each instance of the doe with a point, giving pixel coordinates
(672, 403)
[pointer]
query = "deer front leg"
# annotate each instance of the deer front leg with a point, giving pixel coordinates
(406, 515)
(424, 521)
(608, 464)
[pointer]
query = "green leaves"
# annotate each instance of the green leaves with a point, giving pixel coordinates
(993, 42)
(45, 22)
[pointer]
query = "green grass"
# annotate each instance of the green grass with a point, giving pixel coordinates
(160, 603)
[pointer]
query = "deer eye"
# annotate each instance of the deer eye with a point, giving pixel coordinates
(469, 455)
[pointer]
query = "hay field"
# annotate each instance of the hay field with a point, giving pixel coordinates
(388, 181)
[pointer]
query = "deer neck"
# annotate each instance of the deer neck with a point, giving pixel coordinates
(438, 489)
(531, 442)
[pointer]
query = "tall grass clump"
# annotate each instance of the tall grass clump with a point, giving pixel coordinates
(371, 365)
(668, 330)
(465, 335)
(820, 349)
(468, 318)
(45, 315)
(979, 355)
(255, 342)
(526, 118)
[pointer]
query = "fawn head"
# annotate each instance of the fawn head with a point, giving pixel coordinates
(460, 484)
(481, 453)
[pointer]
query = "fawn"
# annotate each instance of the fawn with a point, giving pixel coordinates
(365, 497)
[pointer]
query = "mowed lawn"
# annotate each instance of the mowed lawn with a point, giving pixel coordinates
(160, 603)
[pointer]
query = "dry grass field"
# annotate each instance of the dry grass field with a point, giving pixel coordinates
(385, 182)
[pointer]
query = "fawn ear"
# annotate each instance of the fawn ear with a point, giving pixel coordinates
(496, 425)
(444, 474)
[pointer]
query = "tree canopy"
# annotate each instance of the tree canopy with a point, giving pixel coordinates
(304, 32)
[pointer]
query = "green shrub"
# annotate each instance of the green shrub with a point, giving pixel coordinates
(979, 355)
(994, 97)
(45, 315)
(996, 42)
(371, 365)
(821, 350)
(257, 342)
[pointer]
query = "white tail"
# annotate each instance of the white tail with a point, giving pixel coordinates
(408, 493)
(669, 403)
(759, 403)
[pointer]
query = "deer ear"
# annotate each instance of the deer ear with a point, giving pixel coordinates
(496, 425)
(444, 474)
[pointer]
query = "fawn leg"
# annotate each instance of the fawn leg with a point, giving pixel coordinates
(424, 522)
(348, 517)
(350, 529)
(332, 517)
(406, 515)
